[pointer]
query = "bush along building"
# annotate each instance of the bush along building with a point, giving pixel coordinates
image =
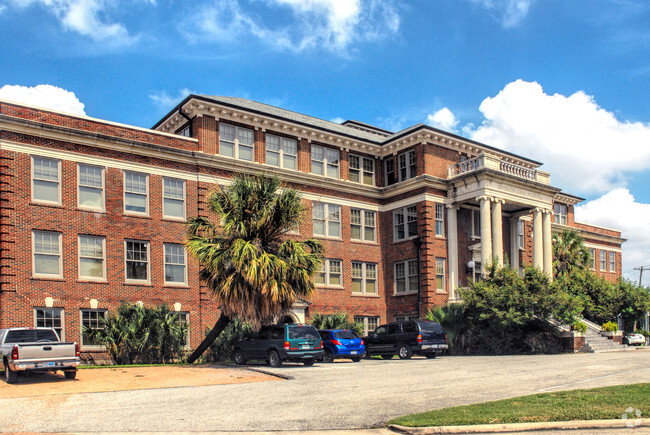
(92, 212)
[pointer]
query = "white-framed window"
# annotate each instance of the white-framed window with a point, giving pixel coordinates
(175, 264)
(440, 275)
(46, 254)
(406, 165)
(325, 161)
(406, 277)
(370, 323)
(592, 258)
(183, 319)
(50, 318)
(476, 224)
(477, 272)
(281, 152)
(612, 262)
(173, 198)
(329, 274)
(136, 193)
(90, 193)
(440, 219)
(406, 317)
(389, 170)
(236, 142)
(46, 180)
(362, 169)
(405, 222)
(520, 235)
(136, 260)
(560, 211)
(364, 278)
(92, 257)
(326, 219)
(91, 319)
(603, 260)
(363, 225)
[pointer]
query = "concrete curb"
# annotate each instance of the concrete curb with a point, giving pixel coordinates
(522, 427)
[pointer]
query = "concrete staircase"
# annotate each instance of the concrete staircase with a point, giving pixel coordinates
(594, 342)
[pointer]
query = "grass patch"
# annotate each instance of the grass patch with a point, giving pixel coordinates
(594, 404)
(122, 366)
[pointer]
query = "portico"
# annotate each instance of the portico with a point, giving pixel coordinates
(499, 191)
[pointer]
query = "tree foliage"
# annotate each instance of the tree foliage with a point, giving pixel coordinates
(138, 334)
(222, 348)
(336, 321)
(453, 319)
(254, 272)
(569, 253)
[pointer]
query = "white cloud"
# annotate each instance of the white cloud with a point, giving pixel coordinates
(443, 119)
(510, 12)
(86, 17)
(619, 210)
(304, 24)
(585, 147)
(45, 96)
(165, 101)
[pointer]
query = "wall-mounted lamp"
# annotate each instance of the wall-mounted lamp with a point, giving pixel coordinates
(470, 267)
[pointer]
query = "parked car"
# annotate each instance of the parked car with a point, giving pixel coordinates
(36, 350)
(341, 343)
(634, 339)
(279, 343)
(419, 337)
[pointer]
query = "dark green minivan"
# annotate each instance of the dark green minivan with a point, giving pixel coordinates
(293, 342)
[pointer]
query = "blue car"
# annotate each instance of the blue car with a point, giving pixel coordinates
(341, 343)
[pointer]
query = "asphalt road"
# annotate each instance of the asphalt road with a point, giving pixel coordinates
(343, 395)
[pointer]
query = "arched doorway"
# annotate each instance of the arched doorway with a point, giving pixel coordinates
(287, 318)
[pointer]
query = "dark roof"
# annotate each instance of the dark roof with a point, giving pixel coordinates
(379, 138)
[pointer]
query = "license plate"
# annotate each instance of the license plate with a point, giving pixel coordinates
(48, 364)
(353, 352)
(305, 346)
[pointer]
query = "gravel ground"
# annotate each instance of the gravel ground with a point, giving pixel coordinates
(343, 395)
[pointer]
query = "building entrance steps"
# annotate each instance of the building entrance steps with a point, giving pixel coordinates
(594, 342)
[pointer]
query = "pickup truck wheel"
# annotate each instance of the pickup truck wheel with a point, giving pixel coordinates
(239, 358)
(70, 374)
(274, 359)
(10, 375)
(404, 351)
(327, 357)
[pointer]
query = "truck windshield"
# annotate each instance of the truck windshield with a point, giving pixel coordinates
(30, 336)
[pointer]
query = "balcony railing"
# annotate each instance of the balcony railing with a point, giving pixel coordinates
(491, 162)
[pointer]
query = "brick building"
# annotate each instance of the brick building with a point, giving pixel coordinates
(92, 212)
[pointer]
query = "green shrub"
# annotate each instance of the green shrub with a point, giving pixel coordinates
(579, 327)
(336, 321)
(610, 327)
(222, 348)
(135, 334)
(643, 332)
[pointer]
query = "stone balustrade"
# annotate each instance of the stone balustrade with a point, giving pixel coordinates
(494, 163)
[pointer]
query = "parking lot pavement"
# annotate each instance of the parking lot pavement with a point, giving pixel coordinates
(342, 395)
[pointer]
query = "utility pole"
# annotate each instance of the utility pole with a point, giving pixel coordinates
(641, 269)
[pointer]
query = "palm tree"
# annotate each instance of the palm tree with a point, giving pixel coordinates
(569, 253)
(252, 269)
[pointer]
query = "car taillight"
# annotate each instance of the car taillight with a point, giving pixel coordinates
(445, 338)
(419, 338)
(14, 353)
(286, 345)
(362, 343)
(77, 349)
(320, 346)
(336, 342)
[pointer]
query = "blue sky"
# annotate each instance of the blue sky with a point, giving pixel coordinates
(565, 83)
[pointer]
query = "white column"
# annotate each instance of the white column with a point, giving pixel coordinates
(452, 249)
(514, 243)
(548, 244)
(538, 250)
(486, 233)
(497, 232)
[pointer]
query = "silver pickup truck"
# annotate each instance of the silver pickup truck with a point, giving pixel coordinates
(38, 350)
